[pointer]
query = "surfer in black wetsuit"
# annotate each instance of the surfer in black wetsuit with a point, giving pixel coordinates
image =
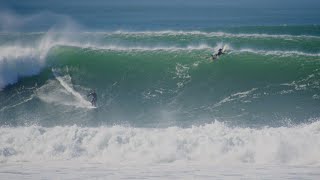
(219, 52)
(215, 56)
(94, 98)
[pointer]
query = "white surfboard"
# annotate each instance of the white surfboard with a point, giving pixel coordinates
(224, 49)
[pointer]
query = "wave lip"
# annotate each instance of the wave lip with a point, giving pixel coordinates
(18, 61)
(208, 34)
(213, 143)
(278, 53)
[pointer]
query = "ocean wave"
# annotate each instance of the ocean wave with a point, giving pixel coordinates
(171, 48)
(17, 61)
(276, 52)
(204, 47)
(206, 34)
(20, 61)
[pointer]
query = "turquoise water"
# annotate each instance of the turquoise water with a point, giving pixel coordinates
(162, 78)
(163, 104)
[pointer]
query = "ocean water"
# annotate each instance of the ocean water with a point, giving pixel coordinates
(165, 109)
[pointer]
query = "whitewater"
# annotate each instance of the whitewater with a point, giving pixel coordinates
(196, 152)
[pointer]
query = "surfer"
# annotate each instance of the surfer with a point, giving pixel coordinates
(220, 52)
(94, 98)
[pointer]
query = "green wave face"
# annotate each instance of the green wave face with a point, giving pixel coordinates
(167, 78)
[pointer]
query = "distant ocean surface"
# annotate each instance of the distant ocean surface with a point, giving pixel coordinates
(165, 109)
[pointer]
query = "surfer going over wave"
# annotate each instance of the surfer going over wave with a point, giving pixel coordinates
(219, 52)
(94, 97)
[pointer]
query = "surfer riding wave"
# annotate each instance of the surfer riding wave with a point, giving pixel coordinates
(94, 98)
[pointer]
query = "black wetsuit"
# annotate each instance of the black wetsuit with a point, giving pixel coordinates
(219, 52)
(94, 98)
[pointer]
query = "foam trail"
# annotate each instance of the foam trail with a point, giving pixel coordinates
(22, 102)
(234, 97)
(61, 92)
(78, 96)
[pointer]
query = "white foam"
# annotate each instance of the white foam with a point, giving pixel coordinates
(17, 61)
(275, 52)
(71, 169)
(182, 74)
(213, 143)
(204, 46)
(207, 34)
(61, 92)
(135, 48)
(235, 97)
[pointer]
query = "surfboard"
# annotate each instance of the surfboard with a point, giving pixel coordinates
(92, 107)
(224, 49)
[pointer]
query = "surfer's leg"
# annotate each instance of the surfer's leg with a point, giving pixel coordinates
(93, 101)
